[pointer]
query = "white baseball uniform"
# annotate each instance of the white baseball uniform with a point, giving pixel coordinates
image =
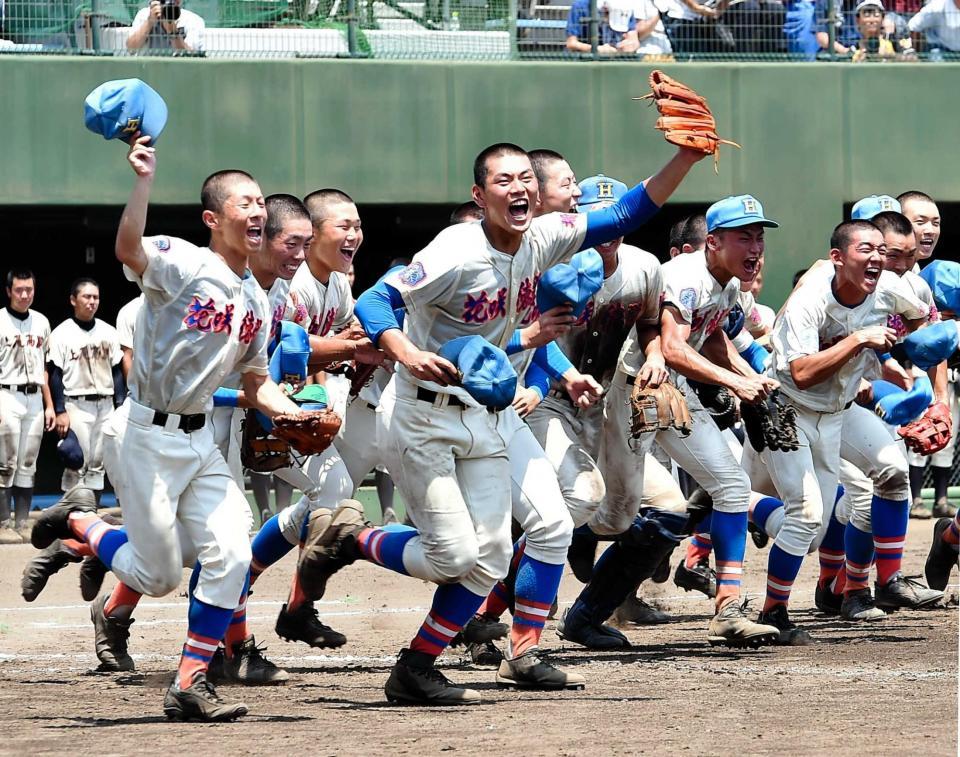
(812, 320)
(24, 344)
(571, 437)
(127, 321)
(86, 357)
(455, 462)
(199, 322)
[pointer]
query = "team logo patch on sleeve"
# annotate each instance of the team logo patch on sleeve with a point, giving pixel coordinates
(413, 274)
(688, 298)
(162, 243)
(568, 219)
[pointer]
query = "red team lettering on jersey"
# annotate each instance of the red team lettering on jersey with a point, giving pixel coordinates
(24, 340)
(249, 327)
(205, 317)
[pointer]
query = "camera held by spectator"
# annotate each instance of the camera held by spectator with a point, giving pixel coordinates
(166, 25)
(876, 40)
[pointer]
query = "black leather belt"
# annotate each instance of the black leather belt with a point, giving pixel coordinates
(91, 397)
(427, 396)
(24, 388)
(187, 423)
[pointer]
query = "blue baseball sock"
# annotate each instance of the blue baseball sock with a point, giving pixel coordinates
(384, 546)
(729, 534)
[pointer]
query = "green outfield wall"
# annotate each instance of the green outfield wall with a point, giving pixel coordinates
(814, 135)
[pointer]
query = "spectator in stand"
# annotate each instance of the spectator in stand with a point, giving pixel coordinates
(937, 25)
(610, 42)
(876, 40)
(846, 34)
(692, 27)
(639, 21)
(166, 25)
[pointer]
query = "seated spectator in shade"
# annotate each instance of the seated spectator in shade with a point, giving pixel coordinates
(692, 29)
(166, 25)
(610, 42)
(939, 22)
(875, 41)
(642, 18)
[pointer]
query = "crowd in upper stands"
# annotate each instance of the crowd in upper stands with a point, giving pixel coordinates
(864, 29)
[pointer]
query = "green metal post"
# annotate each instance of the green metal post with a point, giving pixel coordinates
(594, 30)
(512, 11)
(352, 28)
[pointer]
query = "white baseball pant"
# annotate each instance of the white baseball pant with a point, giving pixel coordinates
(86, 419)
(21, 427)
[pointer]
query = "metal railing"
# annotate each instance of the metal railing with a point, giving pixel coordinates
(619, 30)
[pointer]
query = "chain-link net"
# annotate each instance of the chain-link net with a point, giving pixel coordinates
(652, 30)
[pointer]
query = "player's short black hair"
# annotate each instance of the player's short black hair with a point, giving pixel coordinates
(19, 273)
(691, 230)
(280, 209)
(80, 283)
(890, 221)
(541, 159)
(914, 194)
(466, 211)
(216, 188)
(843, 233)
(480, 170)
(318, 203)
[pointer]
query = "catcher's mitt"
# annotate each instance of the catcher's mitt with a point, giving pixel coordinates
(685, 118)
(719, 402)
(260, 452)
(309, 432)
(771, 424)
(929, 433)
(657, 409)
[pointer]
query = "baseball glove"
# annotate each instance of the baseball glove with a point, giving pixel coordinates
(657, 409)
(685, 117)
(361, 375)
(309, 432)
(929, 433)
(771, 424)
(259, 451)
(719, 402)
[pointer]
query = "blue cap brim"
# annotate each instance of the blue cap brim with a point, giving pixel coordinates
(748, 222)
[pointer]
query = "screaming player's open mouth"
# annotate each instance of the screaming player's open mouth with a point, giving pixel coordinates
(925, 242)
(348, 253)
(871, 274)
(518, 210)
(255, 234)
(750, 265)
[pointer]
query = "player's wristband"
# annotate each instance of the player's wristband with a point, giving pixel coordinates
(514, 346)
(224, 397)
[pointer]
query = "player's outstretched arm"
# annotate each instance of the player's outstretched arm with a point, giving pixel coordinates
(665, 182)
(129, 244)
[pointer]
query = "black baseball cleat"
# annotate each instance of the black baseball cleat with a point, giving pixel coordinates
(760, 537)
(52, 523)
(38, 570)
(531, 671)
(331, 544)
(941, 559)
(640, 613)
(249, 667)
(415, 684)
(859, 606)
(826, 601)
(92, 573)
(485, 653)
(303, 624)
(110, 639)
(577, 626)
(701, 577)
(479, 630)
(199, 702)
(909, 593)
(790, 634)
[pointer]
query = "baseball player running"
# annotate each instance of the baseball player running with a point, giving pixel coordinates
(25, 404)
(448, 454)
(86, 381)
(203, 316)
(822, 343)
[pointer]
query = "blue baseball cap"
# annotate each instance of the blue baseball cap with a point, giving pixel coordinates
(733, 212)
(119, 109)
(485, 370)
(600, 192)
(943, 276)
(69, 451)
(574, 282)
(868, 207)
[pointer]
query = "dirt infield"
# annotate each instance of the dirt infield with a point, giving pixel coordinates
(890, 687)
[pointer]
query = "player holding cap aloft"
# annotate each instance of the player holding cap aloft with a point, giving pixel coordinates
(203, 315)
